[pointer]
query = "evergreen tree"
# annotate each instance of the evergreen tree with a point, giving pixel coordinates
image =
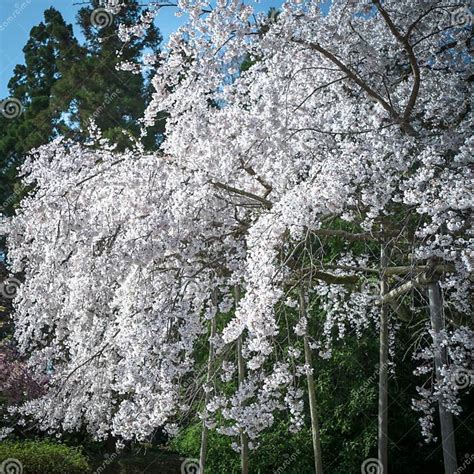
(94, 88)
(51, 45)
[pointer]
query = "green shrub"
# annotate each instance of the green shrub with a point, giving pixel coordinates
(45, 457)
(279, 451)
(220, 455)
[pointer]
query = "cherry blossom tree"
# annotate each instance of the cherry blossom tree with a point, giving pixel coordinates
(333, 173)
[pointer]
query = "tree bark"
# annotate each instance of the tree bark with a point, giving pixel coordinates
(205, 430)
(382, 441)
(318, 462)
(440, 359)
(244, 443)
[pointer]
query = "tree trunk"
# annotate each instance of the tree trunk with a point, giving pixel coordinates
(383, 370)
(205, 430)
(318, 463)
(244, 443)
(440, 359)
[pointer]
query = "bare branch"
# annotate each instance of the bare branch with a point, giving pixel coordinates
(404, 41)
(361, 83)
(266, 203)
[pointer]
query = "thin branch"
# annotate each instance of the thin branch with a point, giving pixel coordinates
(265, 202)
(404, 41)
(375, 236)
(352, 75)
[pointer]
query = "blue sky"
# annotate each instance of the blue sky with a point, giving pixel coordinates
(17, 17)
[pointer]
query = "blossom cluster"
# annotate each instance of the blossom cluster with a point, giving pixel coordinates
(347, 130)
